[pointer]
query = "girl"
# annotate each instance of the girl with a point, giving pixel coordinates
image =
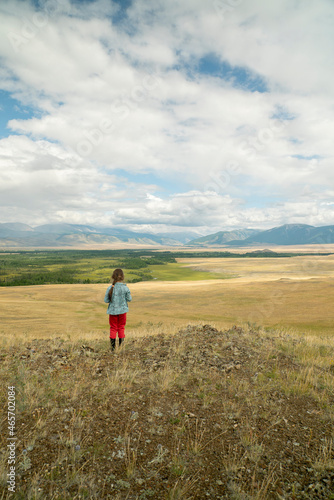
(117, 296)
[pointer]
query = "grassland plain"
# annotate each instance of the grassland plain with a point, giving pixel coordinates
(301, 266)
(201, 413)
(304, 305)
(220, 411)
(22, 268)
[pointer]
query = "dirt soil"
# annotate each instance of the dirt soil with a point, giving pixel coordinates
(203, 414)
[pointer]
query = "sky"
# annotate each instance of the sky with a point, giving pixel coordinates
(167, 116)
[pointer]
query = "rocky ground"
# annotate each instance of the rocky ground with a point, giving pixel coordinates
(200, 414)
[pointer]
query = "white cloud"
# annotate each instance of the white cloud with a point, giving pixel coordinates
(129, 96)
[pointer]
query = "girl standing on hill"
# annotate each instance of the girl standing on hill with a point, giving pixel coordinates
(117, 296)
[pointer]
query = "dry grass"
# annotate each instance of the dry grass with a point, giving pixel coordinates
(78, 311)
(264, 269)
(173, 416)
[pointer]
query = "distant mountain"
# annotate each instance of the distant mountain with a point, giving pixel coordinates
(64, 229)
(223, 237)
(13, 230)
(183, 237)
(16, 226)
(289, 234)
(17, 235)
(75, 235)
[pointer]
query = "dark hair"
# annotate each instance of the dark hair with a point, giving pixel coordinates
(117, 275)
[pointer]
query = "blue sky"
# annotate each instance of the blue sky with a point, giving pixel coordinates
(11, 109)
(167, 116)
(239, 76)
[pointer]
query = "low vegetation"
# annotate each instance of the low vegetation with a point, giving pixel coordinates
(241, 413)
(38, 267)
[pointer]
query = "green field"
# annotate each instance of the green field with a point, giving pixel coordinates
(38, 267)
(179, 272)
(54, 267)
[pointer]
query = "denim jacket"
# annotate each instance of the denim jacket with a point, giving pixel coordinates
(119, 301)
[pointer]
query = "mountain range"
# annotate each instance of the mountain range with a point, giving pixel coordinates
(18, 235)
(290, 234)
(75, 235)
(223, 237)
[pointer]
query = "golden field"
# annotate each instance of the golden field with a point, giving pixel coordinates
(289, 293)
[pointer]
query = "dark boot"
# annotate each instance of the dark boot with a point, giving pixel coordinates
(120, 341)
(113, 344)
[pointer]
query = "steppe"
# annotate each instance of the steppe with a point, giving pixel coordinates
(292, 293)
(224, 388)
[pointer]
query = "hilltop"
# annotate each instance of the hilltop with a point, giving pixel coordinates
(204, 413)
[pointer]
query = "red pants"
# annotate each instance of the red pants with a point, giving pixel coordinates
(117, 324)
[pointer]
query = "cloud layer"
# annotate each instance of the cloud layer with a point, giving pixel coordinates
(229, 104)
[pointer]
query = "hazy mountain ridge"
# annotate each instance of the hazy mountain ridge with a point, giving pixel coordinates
(16, 235)
(60, 235)
(290, 234)
(223, 237)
